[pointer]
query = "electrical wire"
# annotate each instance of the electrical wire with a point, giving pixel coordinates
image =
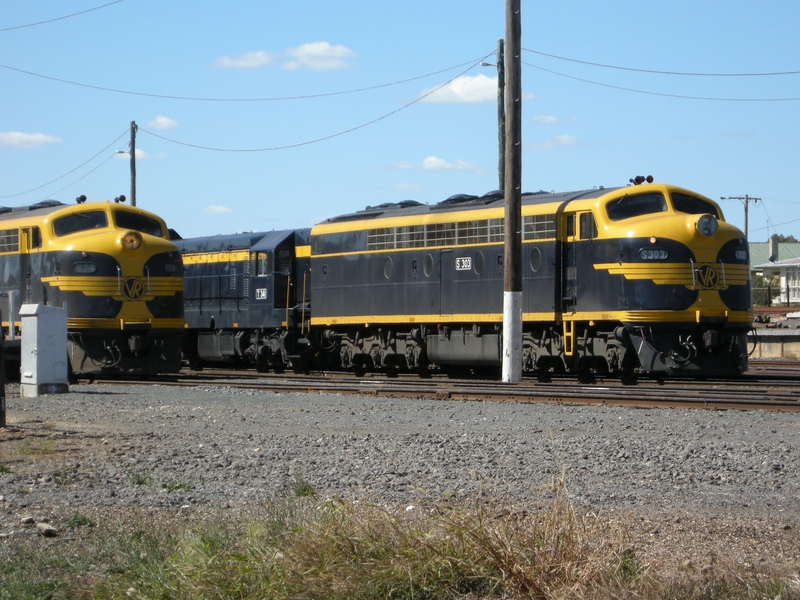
(81, 177)
(83, 12)
(327, 137)
(68, 172)
(685, 74)
(200, 99)
(680, 96)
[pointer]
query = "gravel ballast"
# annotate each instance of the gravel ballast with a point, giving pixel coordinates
(709, 482)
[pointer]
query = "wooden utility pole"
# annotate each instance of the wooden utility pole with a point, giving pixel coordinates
(512, 266)
(501, 114)
(746, 200)
(133, 162)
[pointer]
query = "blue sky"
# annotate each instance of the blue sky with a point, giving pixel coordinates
(331, 112)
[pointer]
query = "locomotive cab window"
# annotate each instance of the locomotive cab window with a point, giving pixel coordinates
(82, 221)
(588, 226)
(137, 222)
(284, 262)
(570, 226)
(693, 205)
(628, 207)
(262, 264)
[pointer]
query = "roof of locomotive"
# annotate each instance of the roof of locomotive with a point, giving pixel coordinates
(459, 202)
(45, 207)
(253, 240)
(40, 208)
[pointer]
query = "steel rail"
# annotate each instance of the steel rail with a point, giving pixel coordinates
(741, 394)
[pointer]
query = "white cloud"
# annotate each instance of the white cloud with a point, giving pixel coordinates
(436, 164)
(478, 88)
(216, 209)
(162, 122)
(403, 164)
(251, 60)
(319, 56)
(553, 143)
(140, 155)
(18, 139)
(546, 120)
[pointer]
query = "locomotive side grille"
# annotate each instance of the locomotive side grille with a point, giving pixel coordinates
(459, 233)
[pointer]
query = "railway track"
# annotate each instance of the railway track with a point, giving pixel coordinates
(769, 386)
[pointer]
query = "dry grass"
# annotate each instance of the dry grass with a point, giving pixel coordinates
(304, 547)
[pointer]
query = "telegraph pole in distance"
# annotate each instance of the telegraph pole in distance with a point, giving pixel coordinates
(512, 265)
(133, 162)
(745, 200)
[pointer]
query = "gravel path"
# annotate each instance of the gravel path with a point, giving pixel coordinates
(710, 483)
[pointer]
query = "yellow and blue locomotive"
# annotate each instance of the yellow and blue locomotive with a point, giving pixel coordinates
(246, 299)
(114, 269)
(644, 278)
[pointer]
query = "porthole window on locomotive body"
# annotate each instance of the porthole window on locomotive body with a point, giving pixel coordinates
(479, 262)
(428, 265)
(536, 259)
(388, 266)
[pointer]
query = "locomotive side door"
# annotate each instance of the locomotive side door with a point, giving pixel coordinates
(580, 227)
(446, 276)
(569, 275)
(29, 239)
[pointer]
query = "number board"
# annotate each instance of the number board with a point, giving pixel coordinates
(463, 263)
(261, 293)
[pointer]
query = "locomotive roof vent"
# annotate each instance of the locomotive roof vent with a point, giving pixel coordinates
(457, 199)
(45, 204)
(401, 204)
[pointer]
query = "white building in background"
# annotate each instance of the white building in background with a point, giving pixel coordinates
(765, 260)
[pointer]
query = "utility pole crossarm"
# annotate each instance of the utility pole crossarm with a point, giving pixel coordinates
(746, 200)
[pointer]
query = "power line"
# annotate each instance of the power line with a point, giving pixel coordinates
(775, 225)
(83, 12)
(110, 156)
(680, 96)
(200, 99)
(68, 172)
(327, 137)
(685, 74)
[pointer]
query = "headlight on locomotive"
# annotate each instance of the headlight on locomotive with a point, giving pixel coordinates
(131, 241)
(707, 225)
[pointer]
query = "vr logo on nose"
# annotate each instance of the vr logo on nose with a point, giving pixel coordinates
(707, 276)
(133, 288)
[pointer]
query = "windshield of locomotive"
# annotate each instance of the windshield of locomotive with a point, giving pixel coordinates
(132, 220)
(80, 221)
(693, 205)
(636, 206)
